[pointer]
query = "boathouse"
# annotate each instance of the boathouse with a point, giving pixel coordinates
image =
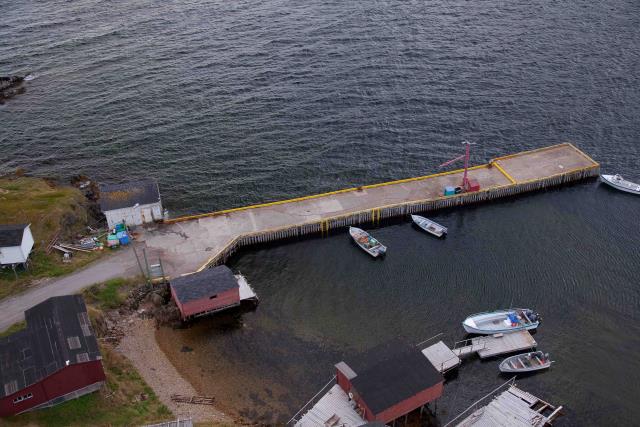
(209, 291)
(55, 359)
(134, 203)
(16, 242)
(385, 388)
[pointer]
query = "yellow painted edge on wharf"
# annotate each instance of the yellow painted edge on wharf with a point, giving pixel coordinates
(316, 196)
(583, 154)
(333, 218)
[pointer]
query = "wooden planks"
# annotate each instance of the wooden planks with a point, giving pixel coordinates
(495, 345)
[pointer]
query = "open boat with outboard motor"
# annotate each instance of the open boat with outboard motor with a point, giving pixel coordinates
(619, 183)
(501, 321)
(367, 242)
(429, 226)
(525, 362)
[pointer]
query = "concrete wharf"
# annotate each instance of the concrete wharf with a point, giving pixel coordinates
(195, 242)
(495, 345)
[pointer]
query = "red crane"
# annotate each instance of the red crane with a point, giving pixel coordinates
(467, 184)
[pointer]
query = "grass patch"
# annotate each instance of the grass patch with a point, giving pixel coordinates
(49, 210)
(13, 328)
(125, 400)
(109, 295)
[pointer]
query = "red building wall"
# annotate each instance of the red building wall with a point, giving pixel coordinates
(232, 296)
(66, 380)
(410, 404)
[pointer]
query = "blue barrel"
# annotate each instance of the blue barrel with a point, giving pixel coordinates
(124, 240)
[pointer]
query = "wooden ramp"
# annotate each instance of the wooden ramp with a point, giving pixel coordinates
(495, 345)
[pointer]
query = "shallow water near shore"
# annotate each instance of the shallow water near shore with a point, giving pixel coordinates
(568, 253)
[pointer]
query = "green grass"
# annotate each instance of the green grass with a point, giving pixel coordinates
(48, 209)
(109, 295)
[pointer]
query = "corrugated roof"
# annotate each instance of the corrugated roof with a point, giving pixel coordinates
(11, 234)
(58, 330)
(118, 196)
(208, 282)
(335, 405)
(508, 409)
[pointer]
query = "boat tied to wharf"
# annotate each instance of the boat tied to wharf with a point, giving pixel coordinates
(526, 362)
(367, 242)
(501, 321)
(619, 183)
(429, 226)
(195, 242)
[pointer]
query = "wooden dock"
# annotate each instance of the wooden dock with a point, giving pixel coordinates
(495, 345)
(194, 242)
(442, 357)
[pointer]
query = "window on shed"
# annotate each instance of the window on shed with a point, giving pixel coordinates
(74, 343)
(82, 357)
(10, 387)
(85, 325)
(213, 296)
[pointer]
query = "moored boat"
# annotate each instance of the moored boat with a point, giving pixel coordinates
(525, 362)
(367, 242)
(501, 321)
(429, 226)
(619, 183)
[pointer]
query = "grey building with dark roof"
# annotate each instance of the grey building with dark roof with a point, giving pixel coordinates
(134, 202)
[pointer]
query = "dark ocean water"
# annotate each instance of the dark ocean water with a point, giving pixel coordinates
(228, 103)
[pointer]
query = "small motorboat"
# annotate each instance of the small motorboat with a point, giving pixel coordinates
(429, 226)
(526, 362)
(619, 183)
(367, 242)
(501, 321)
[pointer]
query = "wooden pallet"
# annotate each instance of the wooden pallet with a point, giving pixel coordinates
(196, 400)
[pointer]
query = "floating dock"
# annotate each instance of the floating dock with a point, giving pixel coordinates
(495, 345)
(194, 242)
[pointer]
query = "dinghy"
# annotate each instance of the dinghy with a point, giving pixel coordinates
(367, 242)
(619, 183)
(526, 362)
(501, 321)
(429, 226)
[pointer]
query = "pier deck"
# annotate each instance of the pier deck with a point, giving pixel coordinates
(495, 345)
(442, 357)
(189, 243)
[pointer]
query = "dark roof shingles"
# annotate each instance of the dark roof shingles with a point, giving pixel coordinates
(11, 234)
(206, 283)
(41, 349)
(394, 379)
(118, 196)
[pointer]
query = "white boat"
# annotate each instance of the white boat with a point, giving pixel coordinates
(619, 183)
(526, 362)
(367, 242)
(501, 321)
(429, 226)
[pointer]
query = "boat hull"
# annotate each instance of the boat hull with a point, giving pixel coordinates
(499, 321)
(610, 181)
(510, 364)
(429, 226)
(358, 234)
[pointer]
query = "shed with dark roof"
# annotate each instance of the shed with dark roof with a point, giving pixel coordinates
(56, 358)
(204, 292)
(16, 242)
(134, 202)
(386, 386)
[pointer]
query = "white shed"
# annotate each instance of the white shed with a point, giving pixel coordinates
(16, 242)
(135, 202)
